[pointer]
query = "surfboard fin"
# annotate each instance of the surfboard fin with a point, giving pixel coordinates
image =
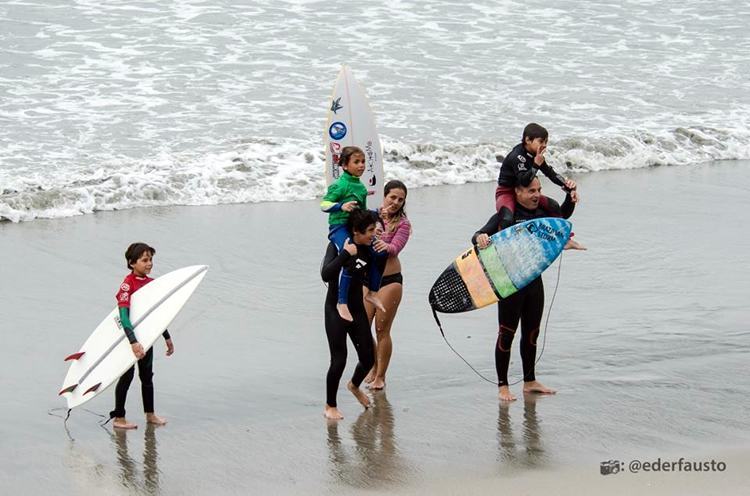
(93, 388)
(68, 389)
(74, 356)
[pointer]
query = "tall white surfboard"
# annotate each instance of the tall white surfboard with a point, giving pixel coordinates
(107, 354)
(352, 123)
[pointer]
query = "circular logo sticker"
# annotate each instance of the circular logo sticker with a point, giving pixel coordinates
(337, 130)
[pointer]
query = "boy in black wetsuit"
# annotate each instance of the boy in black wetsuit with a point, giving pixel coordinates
(139, 258)
(527, 304)
(356, 257)
(521, 165)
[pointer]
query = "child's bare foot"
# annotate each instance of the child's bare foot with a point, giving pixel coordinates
(344, 312)
(121, 423)
(370, 376)
(537, 387)
(332, 413)
(574, 245)
(373, 298)
(505, 395)
(377, 384)
(154, 419)
(363, 399)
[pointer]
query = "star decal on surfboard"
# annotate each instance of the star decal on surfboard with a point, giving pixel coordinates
(336, 105)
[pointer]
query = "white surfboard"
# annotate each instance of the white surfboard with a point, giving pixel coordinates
(352, 123)
(107, 354)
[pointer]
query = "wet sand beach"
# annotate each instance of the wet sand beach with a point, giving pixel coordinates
(646, 344)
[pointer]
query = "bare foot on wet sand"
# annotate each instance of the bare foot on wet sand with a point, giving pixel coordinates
(537, 387)
(370, 376)
(505, 395)
(154, 419)
(377, 384)
(344, 312)
(363, 399)
(373, 298)
(122, 423)
(332, 413)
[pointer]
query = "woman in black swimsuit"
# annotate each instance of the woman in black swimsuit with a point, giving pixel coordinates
(394, 237)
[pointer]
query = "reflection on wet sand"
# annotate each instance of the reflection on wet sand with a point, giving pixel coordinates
(530, 453)
(374, 460)
(128, 468)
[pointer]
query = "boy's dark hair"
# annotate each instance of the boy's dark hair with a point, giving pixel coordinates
(347, 152)
(136, 251)
(360, 219)
(534, 131)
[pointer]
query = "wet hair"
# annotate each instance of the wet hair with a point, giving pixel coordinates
(533, 131)
(396, 184)
(528, 185)
(136, 251)
(360, 219)
(347, 153)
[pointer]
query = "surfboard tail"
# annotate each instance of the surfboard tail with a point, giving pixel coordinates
(68, 389)
(74, 356)
(449, 293)
(93, 388)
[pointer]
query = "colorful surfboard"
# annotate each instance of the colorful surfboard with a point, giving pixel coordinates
(515, 257)
(352, 123)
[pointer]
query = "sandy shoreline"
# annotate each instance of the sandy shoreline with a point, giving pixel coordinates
(640, 342)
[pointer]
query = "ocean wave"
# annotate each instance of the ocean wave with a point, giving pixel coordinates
(259, 170)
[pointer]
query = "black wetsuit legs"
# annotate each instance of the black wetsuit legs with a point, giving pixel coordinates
(145, 374)
(359, 332)
(527, 306)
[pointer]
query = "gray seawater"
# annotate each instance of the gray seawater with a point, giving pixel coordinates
(112, 105)
(646, 343)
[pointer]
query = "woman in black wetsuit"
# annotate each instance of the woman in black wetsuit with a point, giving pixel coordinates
(356, 257)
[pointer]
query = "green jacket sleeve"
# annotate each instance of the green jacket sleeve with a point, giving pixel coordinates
(126, 325)
(331, 200)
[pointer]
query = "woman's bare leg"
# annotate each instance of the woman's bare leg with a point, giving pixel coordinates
(370, 309)
(391, 297)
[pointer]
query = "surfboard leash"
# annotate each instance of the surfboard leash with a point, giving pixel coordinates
(65, 418)
(434, 314)
(544, 339)
(549, 312)
(67, 415)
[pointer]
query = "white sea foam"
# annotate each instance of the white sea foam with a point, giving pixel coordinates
(120, 104)
(262, 170)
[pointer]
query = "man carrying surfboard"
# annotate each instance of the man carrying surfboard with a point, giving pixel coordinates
(139, 258)
(527, 304)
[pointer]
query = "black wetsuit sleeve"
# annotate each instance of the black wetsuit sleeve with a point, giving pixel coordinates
(567, 207)
(490, 228)
(165, 334)
(551, 174)
(333, 262)
(554, 209)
